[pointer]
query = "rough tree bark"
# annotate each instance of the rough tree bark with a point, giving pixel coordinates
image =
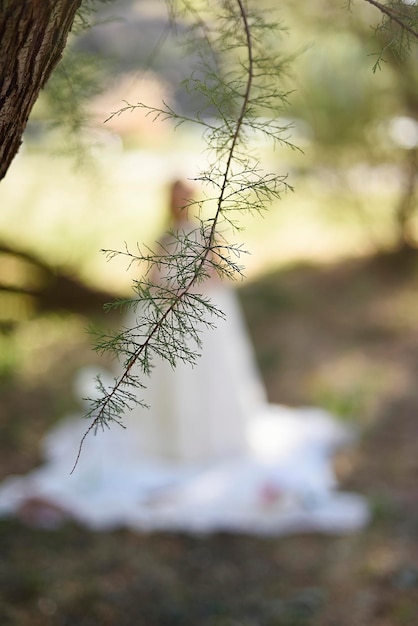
(33, 35)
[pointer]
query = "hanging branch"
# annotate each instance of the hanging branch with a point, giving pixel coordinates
(170, 309)
(399, 27)
(395, 16)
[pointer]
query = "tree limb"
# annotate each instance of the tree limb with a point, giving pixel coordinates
(395, 16)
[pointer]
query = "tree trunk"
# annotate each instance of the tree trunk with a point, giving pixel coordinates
(33, 35)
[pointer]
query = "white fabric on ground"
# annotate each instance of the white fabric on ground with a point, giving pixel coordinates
(209, 455)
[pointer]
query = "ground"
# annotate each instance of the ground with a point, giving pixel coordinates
(342, 336)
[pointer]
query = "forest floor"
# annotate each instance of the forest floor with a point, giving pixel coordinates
(344, 337)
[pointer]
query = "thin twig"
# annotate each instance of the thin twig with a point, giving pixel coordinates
(395, 16)
(209, 244)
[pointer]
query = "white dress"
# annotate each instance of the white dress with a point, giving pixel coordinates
(210, 454)
(201, 413)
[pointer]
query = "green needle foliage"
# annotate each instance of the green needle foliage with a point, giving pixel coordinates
(239, 74)
(398, 28)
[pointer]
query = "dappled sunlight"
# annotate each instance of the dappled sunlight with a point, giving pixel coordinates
(68, 216)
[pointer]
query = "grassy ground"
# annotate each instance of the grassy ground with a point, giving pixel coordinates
(344, 336)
